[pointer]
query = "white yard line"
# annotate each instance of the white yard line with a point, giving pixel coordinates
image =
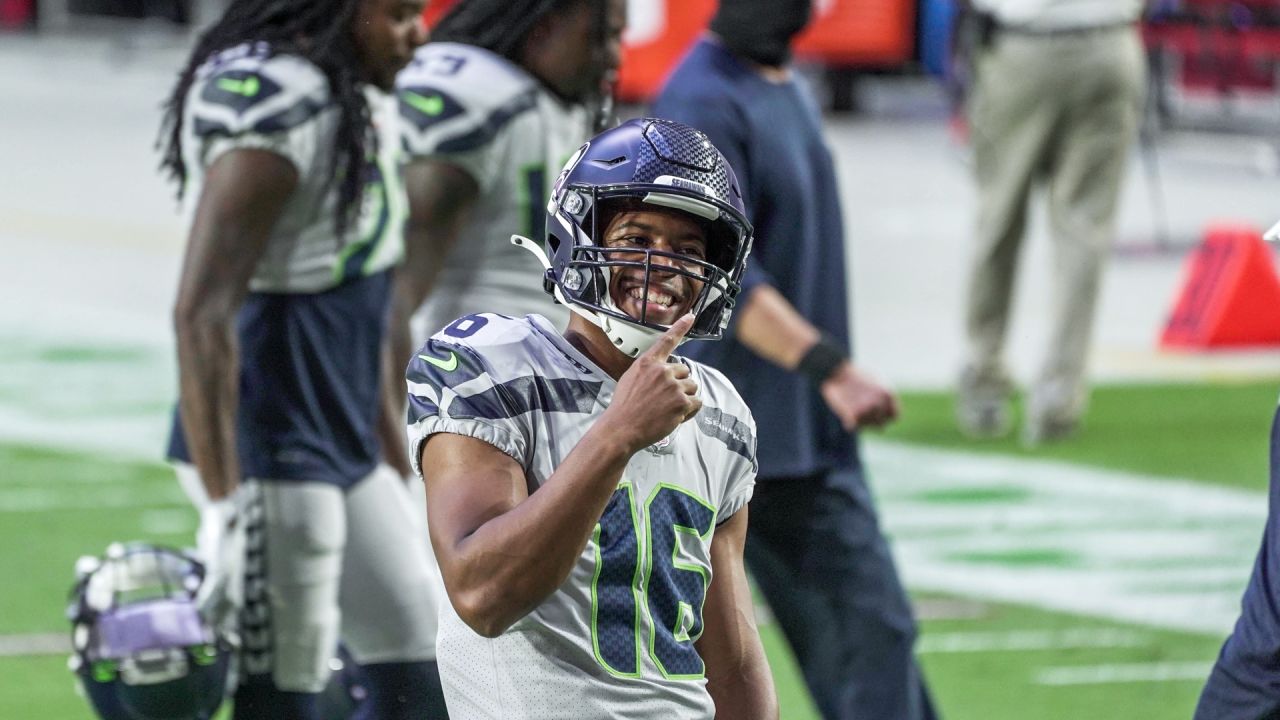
(80, 497)
(1156, 551)
(1028, 640)
(35, 644)
(1123, 673)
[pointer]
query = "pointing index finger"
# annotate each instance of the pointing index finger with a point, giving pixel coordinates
(670, 339)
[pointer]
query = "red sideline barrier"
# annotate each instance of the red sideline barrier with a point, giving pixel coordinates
(658, 34)
(843, 33)
(16, 13)
(436, 9)
(1230, 294)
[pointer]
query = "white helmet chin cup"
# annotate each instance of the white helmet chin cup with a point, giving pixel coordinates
(631, 338)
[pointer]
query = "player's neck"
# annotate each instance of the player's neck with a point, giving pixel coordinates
(592, 342)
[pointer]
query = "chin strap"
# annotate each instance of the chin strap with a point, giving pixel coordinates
(630, 339)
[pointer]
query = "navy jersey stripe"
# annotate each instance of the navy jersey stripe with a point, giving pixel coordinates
(297, 114)
(492, 125)
(283, 121)
(735, 434)
(527, 394)
(419, 408)
(211, 128)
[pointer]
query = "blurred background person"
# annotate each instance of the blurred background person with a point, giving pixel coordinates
(1056, 100)
(814, 545)
(500, 98)
(281, 134)
(491, 109)
(1242, 683)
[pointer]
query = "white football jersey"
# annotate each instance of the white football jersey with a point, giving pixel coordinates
(617, 638)
(478, 111)
(245, 97)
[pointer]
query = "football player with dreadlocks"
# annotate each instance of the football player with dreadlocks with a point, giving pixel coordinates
(491, 109)
(283, 140)
(586, 488)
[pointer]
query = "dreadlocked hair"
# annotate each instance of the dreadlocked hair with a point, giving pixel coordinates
(317, 30)
(499, 26)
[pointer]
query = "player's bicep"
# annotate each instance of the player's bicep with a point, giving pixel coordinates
(469, 482)
(244, 194)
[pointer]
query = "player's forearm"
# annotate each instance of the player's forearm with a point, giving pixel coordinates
(738, 676)
(746, 691)
(515, 561)
(208, 376)
(390, 428)
(441, 198)
(770, 327)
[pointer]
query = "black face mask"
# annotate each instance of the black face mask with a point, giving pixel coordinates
(761, 30)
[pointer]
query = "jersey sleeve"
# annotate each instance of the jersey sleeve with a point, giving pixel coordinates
(726, 422)
(456, 105)
(454, 388)
(742, 479)
(275, 104)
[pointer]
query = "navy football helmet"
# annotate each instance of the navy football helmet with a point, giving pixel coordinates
(654, 162)
(142, 650)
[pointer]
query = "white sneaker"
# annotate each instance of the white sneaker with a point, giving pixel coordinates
(982, 405)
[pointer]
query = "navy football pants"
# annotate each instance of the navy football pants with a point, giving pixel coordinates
(815, 550)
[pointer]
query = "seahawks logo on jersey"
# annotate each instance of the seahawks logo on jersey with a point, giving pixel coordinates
(427, 106)
(239, 89)
(258, 96)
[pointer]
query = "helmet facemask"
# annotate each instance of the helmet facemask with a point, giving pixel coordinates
(644, 165)
(582, 275)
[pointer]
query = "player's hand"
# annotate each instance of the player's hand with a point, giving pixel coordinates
(654, 396)
(220, 542)
(858, 400)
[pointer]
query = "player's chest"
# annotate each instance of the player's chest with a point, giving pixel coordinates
(675, 464)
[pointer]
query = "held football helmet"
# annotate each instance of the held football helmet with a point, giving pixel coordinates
(142, 651)
(654, 162)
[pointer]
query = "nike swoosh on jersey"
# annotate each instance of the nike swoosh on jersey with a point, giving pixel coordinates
(432, 105)
(247, 87)
(446, 364)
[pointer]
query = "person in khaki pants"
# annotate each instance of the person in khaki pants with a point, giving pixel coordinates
(1057, 93)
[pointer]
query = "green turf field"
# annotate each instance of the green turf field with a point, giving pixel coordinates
(988, 661)
(1213, 433)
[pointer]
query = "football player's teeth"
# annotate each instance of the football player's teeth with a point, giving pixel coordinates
(655, 297)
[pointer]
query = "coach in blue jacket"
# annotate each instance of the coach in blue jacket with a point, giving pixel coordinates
(814, 546)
